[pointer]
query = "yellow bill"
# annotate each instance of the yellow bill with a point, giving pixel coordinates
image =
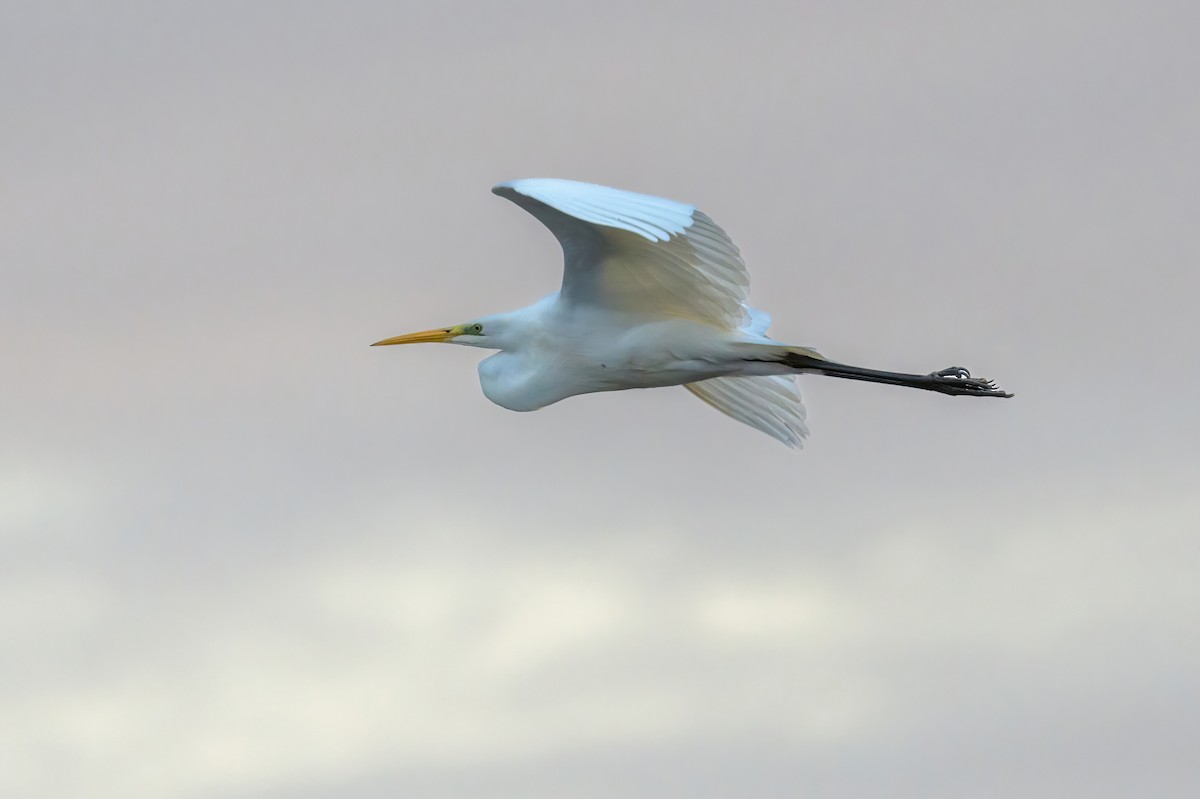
(422, 337)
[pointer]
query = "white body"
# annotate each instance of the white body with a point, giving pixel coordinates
(562, 350)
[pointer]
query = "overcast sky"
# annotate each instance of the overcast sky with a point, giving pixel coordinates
(244, 555)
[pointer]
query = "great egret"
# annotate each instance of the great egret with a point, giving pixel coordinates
(653, 294)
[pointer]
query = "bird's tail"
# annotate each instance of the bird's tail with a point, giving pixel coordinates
(954, 381)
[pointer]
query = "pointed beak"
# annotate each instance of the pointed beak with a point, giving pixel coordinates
(423, 337)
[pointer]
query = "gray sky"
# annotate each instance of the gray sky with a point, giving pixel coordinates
(245, 555)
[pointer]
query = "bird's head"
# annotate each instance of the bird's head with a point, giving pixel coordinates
(471, 334)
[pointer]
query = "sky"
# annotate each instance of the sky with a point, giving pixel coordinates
(243, 554)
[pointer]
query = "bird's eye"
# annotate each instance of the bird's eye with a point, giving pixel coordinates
(476, 329)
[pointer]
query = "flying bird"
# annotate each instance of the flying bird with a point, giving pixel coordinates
(653, 294)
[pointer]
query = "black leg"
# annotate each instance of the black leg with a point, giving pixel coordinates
(954, 380)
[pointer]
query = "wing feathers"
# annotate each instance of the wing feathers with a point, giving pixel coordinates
(637, 253)
(770, 404)
(653, 218)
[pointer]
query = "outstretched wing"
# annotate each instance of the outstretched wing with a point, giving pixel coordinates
(638, 254)
(769, 404)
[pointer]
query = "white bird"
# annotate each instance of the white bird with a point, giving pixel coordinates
(653, 294)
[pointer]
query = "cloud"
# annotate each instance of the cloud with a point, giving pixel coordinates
(461, 653)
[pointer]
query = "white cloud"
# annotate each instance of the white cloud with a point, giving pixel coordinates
(359, 659)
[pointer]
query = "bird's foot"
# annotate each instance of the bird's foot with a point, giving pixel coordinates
(957, 381)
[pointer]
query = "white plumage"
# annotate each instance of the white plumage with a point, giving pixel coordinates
(635, 253)
(654, 294)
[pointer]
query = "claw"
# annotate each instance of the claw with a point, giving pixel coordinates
(953, 372)
(957, 380)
